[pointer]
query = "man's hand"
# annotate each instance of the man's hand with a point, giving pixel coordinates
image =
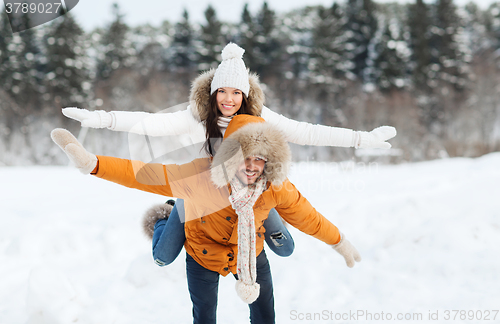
(81, 158)
(348, 251)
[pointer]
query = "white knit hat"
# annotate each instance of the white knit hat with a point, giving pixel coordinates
(231, 71)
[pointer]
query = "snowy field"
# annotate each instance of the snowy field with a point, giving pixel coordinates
(72, 249)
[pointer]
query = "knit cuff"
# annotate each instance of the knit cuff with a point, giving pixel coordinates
(356, 138)
(336, 245)
(112, 124)
(105, 118)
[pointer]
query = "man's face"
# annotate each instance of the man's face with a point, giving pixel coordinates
(250, 170)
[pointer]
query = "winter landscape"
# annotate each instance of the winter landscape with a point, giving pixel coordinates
(425, 215)
(72, 249)
(430, 69)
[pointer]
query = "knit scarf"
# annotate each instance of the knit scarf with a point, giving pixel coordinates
(223, 122)
(242, 200)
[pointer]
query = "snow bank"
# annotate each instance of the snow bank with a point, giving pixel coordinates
(72, 250)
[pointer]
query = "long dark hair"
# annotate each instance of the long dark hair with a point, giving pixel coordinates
(212, 130)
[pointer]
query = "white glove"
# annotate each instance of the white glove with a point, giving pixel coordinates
(376, 138)
(93, 119)
(81, 158)
(347, 250)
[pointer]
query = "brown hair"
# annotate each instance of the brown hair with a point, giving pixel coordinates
(212, 130)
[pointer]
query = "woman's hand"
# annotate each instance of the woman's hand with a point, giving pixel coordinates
(93, 119)
(376, 138)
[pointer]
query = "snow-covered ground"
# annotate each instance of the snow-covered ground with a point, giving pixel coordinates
(72, 249)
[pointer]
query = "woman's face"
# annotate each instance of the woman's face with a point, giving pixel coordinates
(229, 100)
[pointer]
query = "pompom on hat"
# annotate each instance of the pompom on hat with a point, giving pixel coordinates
(232, 71)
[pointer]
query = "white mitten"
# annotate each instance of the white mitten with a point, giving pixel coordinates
(347, 250)
(81, 158)
(376, 138)
(93, 119)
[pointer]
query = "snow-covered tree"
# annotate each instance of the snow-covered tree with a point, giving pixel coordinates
(267, 43)
(182, 54)
(390, 57)
(8, 110)
(212, 41)
(327, 62)
(151, 43)
(493, 23)
(116, 51)
(360, 28)
(475, 26)
(23, 77)
(298, 26)
(67, 71)
(449, 55)
(246, 38)
(419, 23)
(6, 48)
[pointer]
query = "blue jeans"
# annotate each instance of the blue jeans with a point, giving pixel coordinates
(277, 236)
(169, 236)
(203, 287)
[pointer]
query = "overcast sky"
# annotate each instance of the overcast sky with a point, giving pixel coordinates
(97, 13)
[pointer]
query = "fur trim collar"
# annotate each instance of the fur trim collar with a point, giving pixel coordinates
(200, 95)
(254, 139)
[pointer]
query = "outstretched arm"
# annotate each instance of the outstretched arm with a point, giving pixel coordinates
(319, 135)
(297, 211)
(187, 181)
(132, 174)
(142, 123)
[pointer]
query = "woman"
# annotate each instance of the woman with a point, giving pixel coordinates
(216, 96)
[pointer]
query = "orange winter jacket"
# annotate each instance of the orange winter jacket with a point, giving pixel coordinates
(211, 223)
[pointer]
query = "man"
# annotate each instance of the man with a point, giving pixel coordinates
(226, 203)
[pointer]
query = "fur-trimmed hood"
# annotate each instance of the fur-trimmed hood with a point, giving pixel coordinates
(251, 136)
(199, 97)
